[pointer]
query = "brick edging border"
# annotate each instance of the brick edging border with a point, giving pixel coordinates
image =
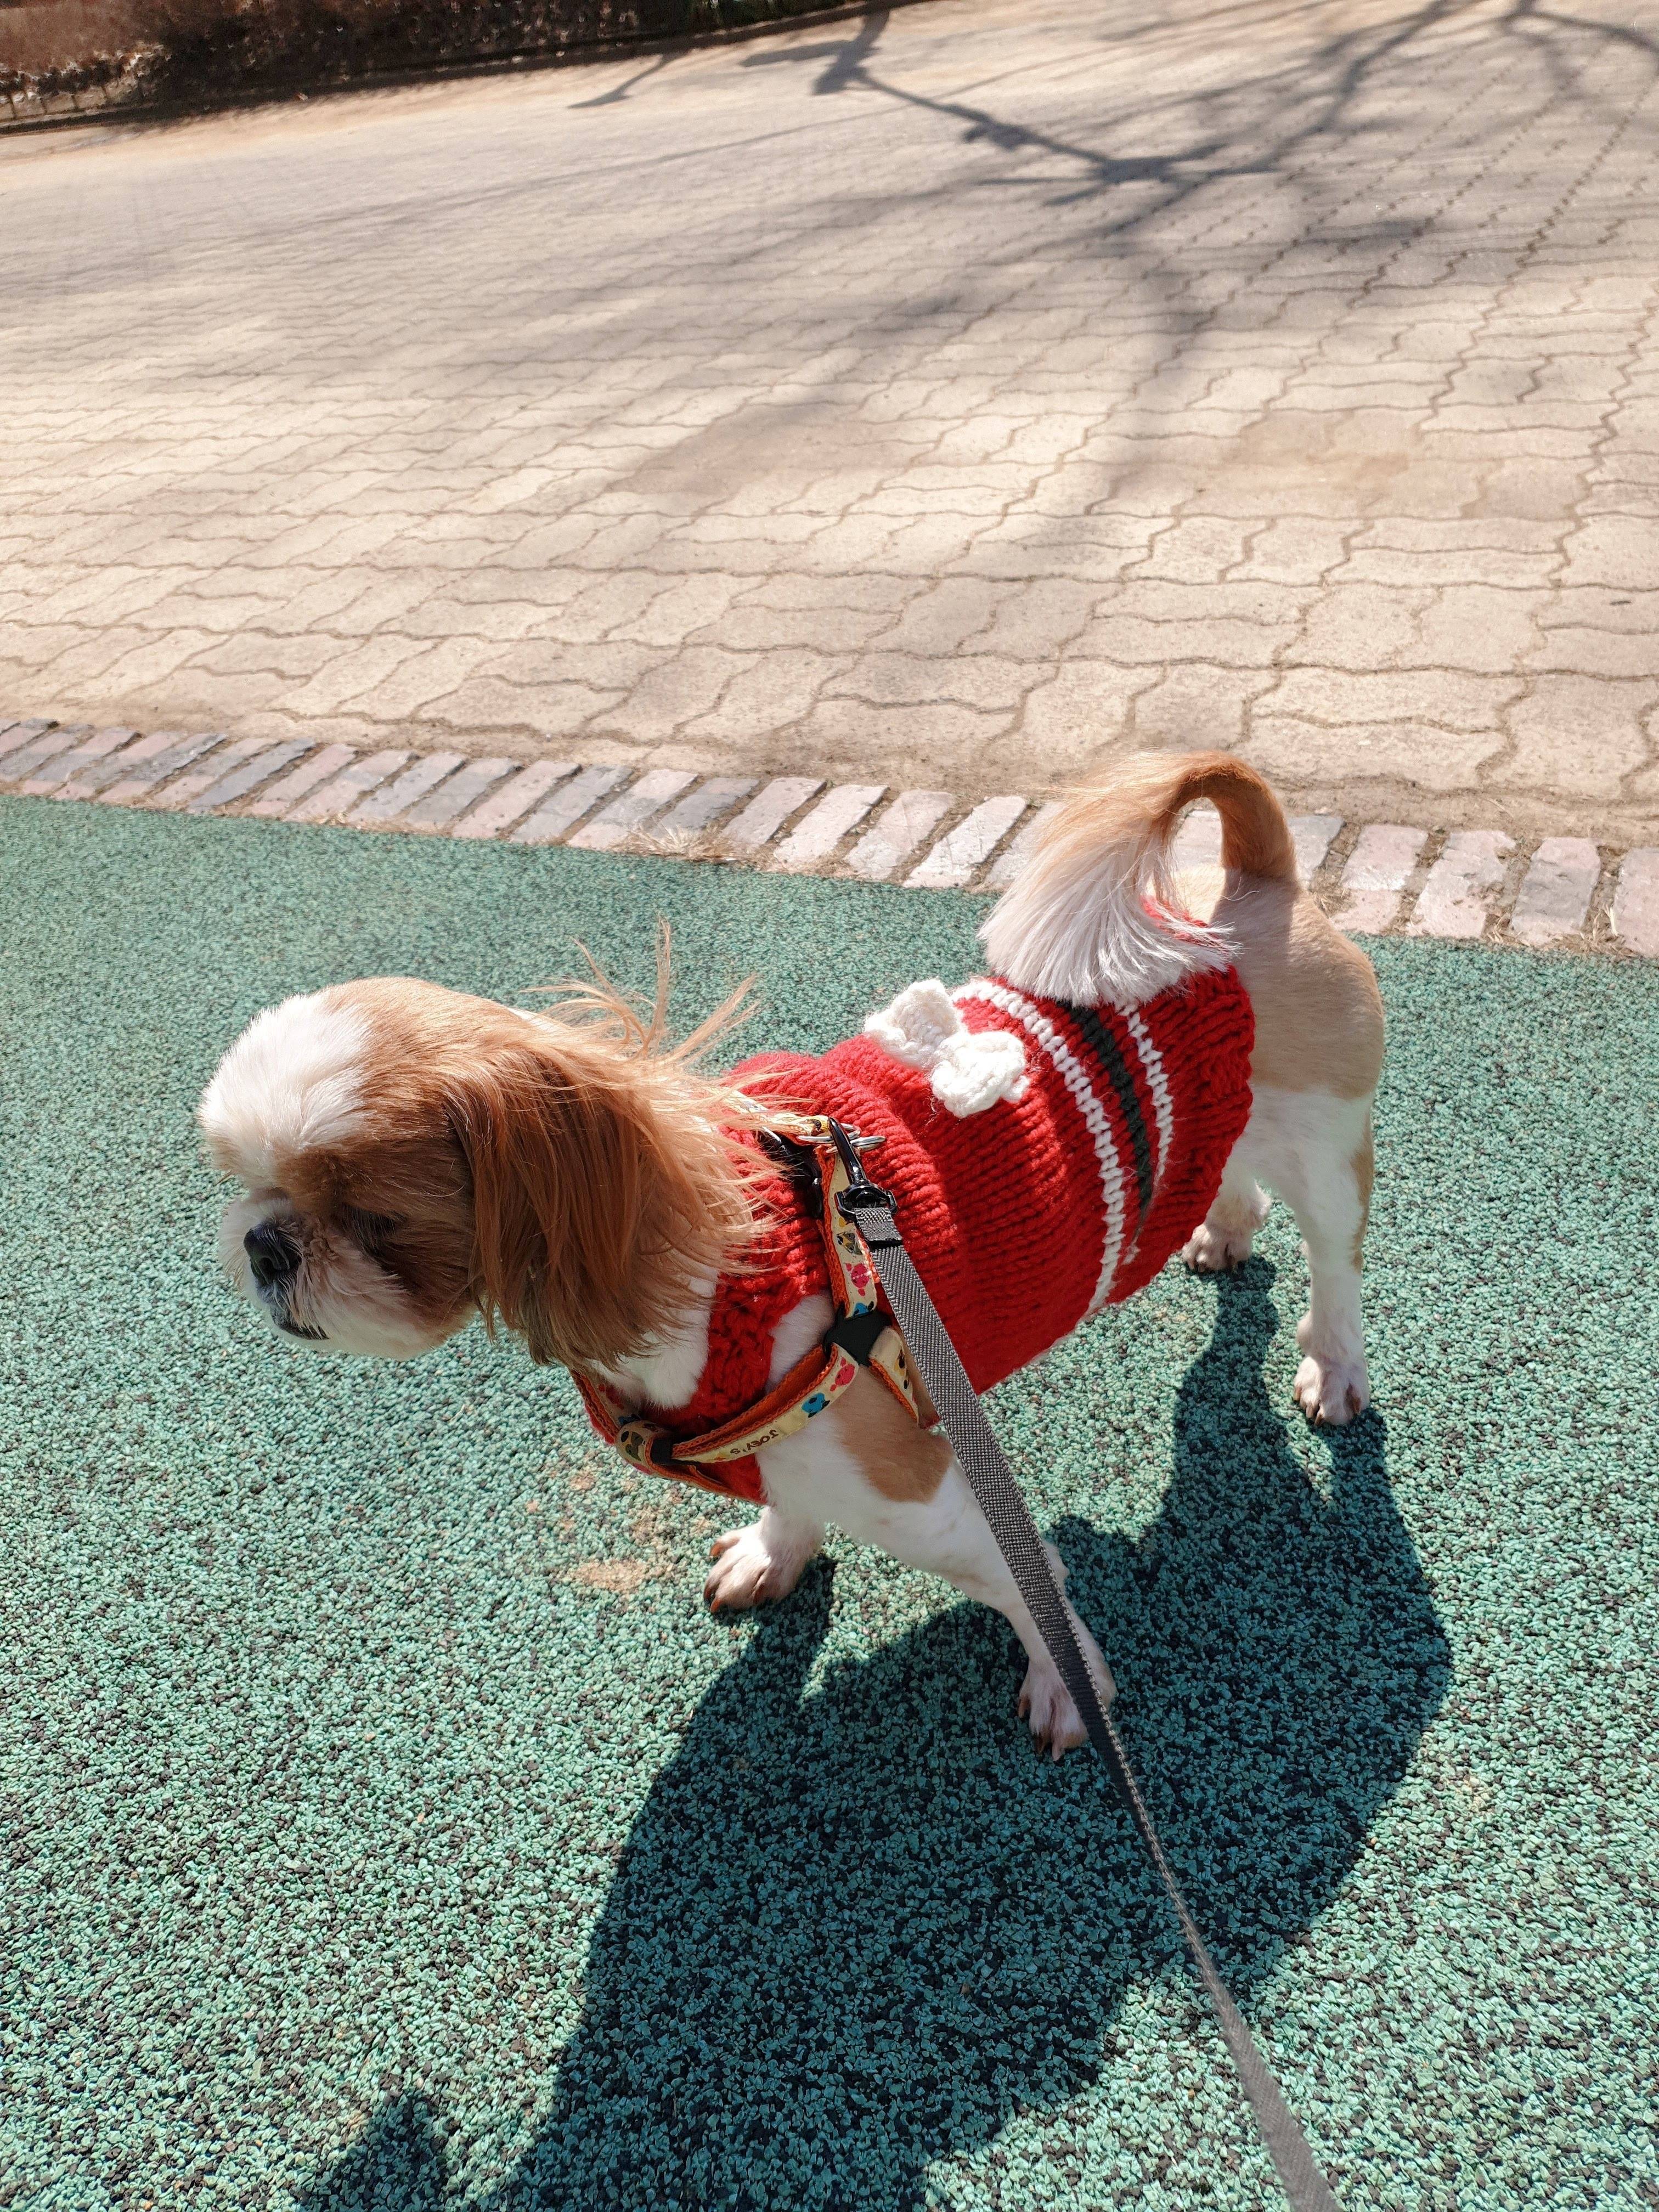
(1381, 879)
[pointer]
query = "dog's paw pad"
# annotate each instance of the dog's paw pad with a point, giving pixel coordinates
(1332, 1392)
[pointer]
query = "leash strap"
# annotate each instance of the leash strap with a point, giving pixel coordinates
(1003, 1503)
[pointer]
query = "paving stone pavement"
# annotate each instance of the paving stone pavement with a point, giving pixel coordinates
(1376, 878)
(944, 402)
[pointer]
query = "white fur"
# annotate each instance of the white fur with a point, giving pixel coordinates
(1302, 1143)
(292, 1083)
(812, 1480)
(966, 1072)
(1077, 926)
(667, 1372)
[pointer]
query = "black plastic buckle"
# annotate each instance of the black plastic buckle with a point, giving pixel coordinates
(858, 1335)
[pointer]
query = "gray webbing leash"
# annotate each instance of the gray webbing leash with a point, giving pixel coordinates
(871, 1211)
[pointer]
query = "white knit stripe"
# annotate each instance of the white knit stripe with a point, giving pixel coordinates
(1158, 1084)
(1072, 1075)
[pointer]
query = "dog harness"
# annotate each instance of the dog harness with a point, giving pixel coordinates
(1046, 1160)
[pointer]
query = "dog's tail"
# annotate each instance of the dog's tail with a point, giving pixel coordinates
(1093, 917)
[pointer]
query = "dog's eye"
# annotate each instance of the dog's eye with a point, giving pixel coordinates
(372, 1231)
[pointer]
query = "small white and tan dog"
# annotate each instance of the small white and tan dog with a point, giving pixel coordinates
(413, 1158)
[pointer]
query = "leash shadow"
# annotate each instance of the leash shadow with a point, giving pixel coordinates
(857, 1925)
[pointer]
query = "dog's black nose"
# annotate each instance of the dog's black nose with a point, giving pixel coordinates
(270, 1255)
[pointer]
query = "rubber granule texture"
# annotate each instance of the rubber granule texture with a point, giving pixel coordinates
(391, 1826)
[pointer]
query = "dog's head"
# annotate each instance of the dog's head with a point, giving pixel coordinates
(411, 1157)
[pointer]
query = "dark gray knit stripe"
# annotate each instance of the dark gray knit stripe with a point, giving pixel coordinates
(1104, 1046)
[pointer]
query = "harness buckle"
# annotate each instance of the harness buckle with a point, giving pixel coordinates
(857, 1334)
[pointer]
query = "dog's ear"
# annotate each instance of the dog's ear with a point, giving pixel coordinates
(588, 1217)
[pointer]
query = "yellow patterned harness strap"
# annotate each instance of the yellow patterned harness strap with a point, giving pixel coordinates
(860, 1335)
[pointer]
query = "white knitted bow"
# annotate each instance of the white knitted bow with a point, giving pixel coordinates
(967, 1073)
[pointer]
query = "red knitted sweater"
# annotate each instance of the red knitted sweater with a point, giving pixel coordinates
(1022, 1218)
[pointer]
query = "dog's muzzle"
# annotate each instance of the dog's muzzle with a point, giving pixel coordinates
(273, 1261)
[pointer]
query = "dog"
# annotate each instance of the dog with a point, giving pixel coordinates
(413, 1158)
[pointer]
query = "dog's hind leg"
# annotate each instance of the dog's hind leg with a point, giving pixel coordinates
(1315, 1150)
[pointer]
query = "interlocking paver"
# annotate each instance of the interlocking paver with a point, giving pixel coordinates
(566, 805)
(257, 770)
(1345, 455)
(1197, 843)
(173, 795)
(15, 736)
(1314, 836)
(514, 800)
(1014, 857)
(1554, 898)
(838, 811)
(767, 811)
(453, 797)
(701, 808)
(136, 782)
(50, 743)
(98, 775)
(392, 799)
(53, 774)
(341, 792)
(961, 852)
(310, 773)
(615, 824)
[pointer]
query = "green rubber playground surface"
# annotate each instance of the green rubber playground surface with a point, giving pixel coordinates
(390, 1826)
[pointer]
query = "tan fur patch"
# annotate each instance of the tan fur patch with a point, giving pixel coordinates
(568, 1175)
(898, 1461)
(1318, 1012)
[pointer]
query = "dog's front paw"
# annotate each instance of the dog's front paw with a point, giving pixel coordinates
(1048, 1706)
(1332, 1391)
(751, 1566)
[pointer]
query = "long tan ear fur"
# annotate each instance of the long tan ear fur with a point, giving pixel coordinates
(606, 1182)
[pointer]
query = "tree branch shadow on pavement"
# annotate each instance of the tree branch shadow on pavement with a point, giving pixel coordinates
(854, 1931)
(1313, 96)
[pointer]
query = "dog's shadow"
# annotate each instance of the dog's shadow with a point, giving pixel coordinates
(854, 1931)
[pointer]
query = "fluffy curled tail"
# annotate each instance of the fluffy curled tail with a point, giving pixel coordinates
(1093, 917)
